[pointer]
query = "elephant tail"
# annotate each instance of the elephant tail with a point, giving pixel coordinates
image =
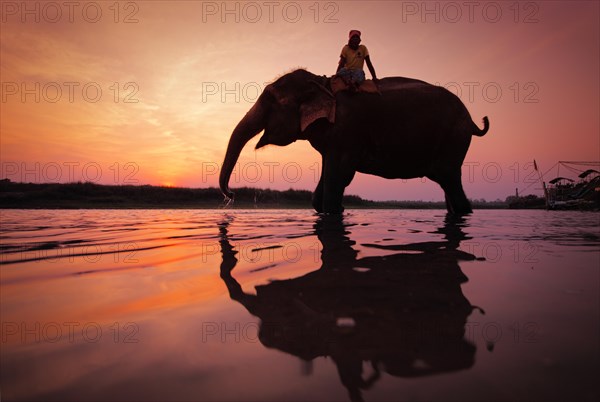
(486, 126)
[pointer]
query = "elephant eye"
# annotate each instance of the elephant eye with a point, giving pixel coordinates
(268, 94)
(277, 98)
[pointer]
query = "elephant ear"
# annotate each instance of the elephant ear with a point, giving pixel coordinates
(321, 105)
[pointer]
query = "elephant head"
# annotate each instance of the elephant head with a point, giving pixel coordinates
(284, 110)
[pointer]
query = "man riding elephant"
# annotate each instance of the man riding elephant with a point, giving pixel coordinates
(352, 59)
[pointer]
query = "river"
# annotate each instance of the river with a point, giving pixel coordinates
(288, 305)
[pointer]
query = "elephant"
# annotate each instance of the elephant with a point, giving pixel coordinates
(407, 129)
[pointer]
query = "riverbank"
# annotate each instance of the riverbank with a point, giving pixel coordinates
(96, 196)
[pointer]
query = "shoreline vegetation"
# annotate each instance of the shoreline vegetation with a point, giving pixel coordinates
(87, 195)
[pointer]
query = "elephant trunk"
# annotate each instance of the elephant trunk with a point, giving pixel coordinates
(252, 124)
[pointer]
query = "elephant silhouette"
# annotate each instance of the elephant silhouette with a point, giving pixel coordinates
(405, 313)
(408, 129)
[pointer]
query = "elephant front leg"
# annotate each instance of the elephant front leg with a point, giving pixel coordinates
(317, 198)
(336, 176)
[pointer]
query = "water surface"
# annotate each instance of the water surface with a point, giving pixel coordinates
(287, 305)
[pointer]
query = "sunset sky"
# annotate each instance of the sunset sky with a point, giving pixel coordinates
(148, 92)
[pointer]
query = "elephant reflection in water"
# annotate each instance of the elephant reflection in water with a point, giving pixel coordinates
(405, 313)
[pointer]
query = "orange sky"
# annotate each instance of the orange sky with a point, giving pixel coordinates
(176, 76)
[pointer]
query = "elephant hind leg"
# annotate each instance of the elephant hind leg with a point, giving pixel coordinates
(457, 204)
(456, 200)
